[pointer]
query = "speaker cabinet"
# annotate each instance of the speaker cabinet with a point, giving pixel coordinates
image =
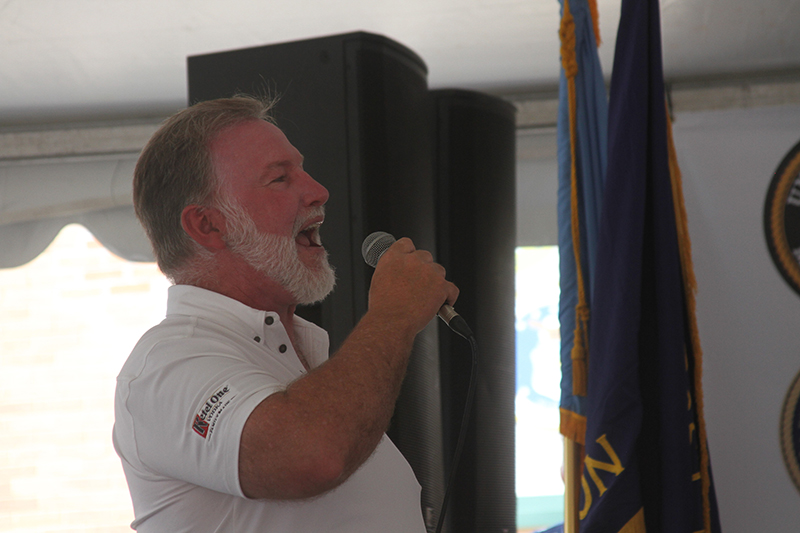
(475, 138)
(357, 106)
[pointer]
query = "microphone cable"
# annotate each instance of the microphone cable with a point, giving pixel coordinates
(473, 379)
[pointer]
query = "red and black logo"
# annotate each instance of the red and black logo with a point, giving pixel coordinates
(200, 426)
(206, 417)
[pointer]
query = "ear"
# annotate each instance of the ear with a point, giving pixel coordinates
(205, 225)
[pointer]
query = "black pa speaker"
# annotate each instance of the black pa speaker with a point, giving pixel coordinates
(475, 137)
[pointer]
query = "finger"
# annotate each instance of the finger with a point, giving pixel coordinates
(424, 255)
(452, 293)
(404, 245)
(439, 269)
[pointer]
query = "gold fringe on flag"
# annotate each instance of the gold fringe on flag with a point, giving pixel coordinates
(573, 426)
(690, 287)
(580, 345)
(595, 21)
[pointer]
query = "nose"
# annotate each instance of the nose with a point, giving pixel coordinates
(316, 194)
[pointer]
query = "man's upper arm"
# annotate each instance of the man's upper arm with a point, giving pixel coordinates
(188, 416)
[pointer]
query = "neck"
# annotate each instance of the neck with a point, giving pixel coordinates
(238, 280)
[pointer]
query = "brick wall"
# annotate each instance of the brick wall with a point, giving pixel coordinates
(68, 320)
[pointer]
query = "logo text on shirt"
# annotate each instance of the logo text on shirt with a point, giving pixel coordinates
(206, 418)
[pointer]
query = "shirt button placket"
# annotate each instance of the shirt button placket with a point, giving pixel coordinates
(268, 321)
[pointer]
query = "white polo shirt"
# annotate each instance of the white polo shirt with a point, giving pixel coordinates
(182, 400)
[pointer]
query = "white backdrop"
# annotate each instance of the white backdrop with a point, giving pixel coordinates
(748, 316)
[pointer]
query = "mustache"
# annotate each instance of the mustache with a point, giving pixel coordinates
(307, 217)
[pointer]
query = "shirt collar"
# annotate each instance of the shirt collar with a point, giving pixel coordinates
(194, 301)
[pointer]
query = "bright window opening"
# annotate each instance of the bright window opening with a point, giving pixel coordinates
(539, 447)
(69, 320)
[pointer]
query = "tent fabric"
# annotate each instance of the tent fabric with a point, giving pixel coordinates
(39, 197)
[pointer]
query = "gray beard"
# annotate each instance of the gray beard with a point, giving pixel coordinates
(276, 256)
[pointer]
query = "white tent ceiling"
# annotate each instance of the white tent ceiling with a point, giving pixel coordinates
(79, 60)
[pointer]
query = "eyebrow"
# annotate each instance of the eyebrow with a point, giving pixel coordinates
(285, 163)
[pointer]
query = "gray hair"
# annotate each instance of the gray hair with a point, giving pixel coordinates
(175, 170)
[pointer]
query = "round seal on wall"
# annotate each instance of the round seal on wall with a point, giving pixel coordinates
(790, 431)
(782, 218)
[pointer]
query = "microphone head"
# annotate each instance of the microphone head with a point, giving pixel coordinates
(374, 246)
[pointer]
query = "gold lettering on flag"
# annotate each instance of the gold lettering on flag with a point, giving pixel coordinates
(592, 466)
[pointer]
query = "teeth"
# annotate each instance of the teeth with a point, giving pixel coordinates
(312, 232)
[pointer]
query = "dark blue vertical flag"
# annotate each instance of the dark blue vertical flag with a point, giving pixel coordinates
(646, 467)
(582, 130)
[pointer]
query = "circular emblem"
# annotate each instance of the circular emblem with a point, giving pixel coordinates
(790, 430)
(782, 218)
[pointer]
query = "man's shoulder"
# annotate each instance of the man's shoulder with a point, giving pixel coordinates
(179, 338)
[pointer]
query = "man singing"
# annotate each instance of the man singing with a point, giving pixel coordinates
(230, 417)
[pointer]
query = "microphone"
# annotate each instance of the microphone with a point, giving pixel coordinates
(374, 247)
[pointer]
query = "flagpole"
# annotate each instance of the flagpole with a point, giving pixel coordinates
(572, 484)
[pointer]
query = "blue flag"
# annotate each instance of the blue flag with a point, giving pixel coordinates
(582, 126)
(646, 466)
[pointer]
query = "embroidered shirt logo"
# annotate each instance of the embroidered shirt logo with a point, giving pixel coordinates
(206, 418)
(200, 426)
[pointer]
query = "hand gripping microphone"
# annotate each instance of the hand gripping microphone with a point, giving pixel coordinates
(374, 247)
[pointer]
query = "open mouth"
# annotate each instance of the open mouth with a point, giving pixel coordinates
(310, 236)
